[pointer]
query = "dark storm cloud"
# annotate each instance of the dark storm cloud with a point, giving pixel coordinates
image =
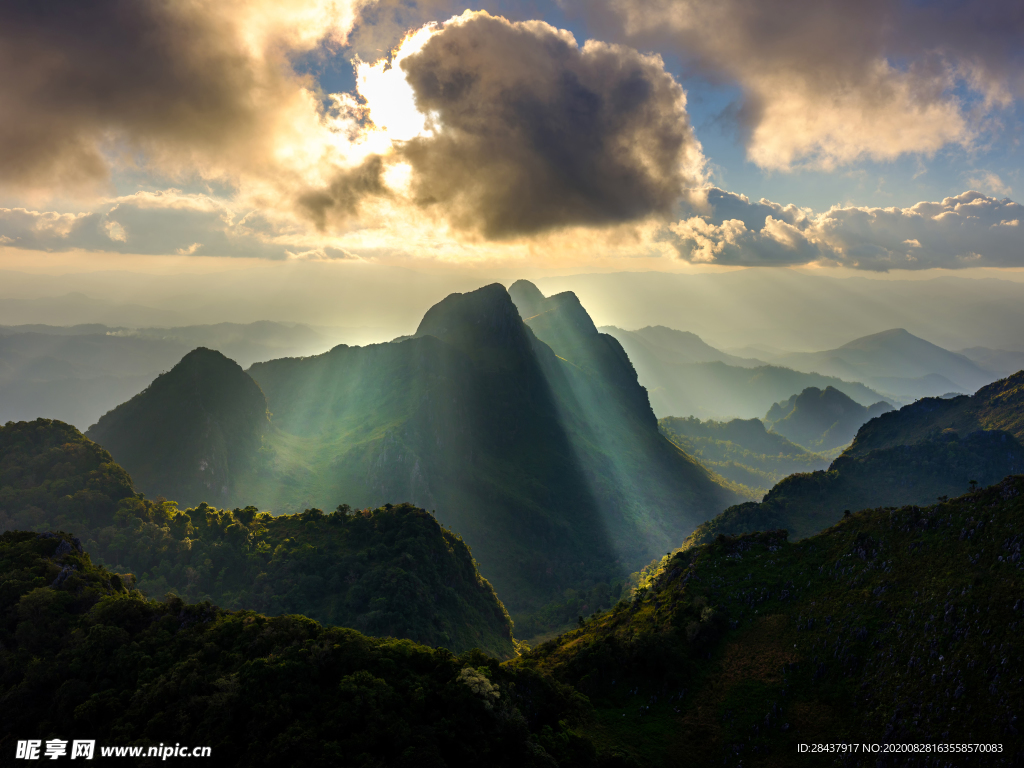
(534, 133)
(76, 71)
(340, 200)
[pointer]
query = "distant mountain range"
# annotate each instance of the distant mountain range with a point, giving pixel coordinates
(931, 448)
(999, 361)
(533, 440)
(794, 310)
(741, 450)
(686, 377)
(78, 373)
(896, 363)
(821, 419)
(391, 572)
(668, 344)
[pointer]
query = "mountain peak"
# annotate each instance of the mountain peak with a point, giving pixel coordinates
(560, 320)
(821, 419)
(886, 339)
(191, 429)
(527, 298)
(477, 321)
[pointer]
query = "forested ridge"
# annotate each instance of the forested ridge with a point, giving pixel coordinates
(86, 656)
(896, 626)
(931, 448)
(393, 571)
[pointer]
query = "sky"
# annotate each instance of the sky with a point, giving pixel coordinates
(874, 138)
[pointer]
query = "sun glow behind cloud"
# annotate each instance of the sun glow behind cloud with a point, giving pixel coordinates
(539, 159)
(389, 97)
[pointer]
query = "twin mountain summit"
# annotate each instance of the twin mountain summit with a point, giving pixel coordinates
(542, 499)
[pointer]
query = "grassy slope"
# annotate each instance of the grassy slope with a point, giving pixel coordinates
(873, 630)
(391, 571)
(84, 656)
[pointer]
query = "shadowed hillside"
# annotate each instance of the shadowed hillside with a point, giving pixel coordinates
(731, 652)
(393, 571)
(998, 406)
(931, 448)
(549, 465)
(191, 432)
(821, 419)
(741, 450)
(255, 690)
(896, 626)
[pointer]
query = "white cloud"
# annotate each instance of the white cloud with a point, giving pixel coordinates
(989, 182)
(970, 229)
(829, 82)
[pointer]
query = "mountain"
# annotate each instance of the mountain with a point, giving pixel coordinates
(670, 345)
(192, 431)
(896, 626)
(78, 373)
(393, 571)
(549, 465)
(719, 391)
(766, 307)
(736, 651)
(896, 363)
(252, 690)
(932, 448)
(996, 407)
(1001, 362)
(686, 377)
(821, 419)
(741, 450)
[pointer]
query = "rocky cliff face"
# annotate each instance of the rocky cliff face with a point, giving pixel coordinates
(561, 322)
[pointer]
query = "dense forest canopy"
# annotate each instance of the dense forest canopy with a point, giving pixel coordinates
(85, 655)
(393, 571)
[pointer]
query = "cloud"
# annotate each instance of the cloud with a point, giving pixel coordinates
(987, 181)
(968, 230)
(531, 133)
(830, 82)
(342, 198)
(201, 86)
(149, 223)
